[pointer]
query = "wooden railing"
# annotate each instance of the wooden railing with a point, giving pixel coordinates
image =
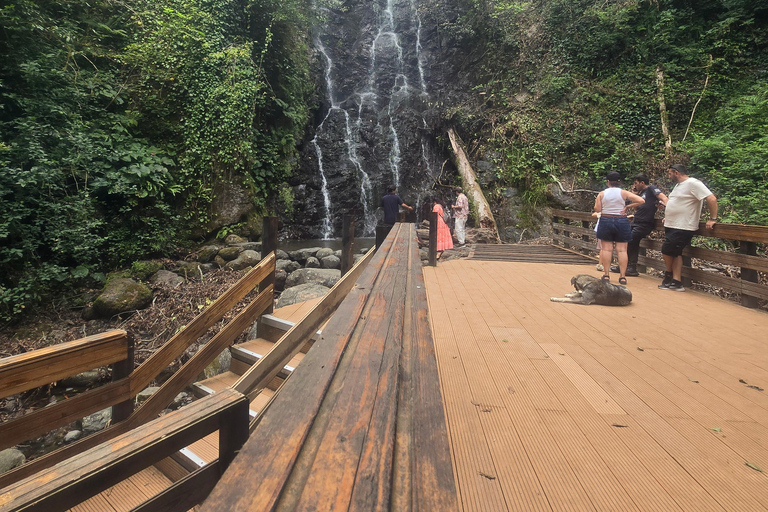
(76, 356)
(574, 230)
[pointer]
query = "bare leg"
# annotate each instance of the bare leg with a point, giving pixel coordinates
(668, 261)
(621, 252)
(606, 254)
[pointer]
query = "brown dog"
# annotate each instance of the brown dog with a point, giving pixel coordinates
(591, 290)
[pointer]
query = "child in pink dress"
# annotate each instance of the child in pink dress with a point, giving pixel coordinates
(444, 239)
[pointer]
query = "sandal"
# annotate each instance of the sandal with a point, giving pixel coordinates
(623, 280)
(606, 278)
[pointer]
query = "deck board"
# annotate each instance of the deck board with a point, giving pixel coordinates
(571, 407)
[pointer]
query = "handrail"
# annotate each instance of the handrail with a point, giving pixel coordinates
(748, 236)
(91, 401)
(42, 366)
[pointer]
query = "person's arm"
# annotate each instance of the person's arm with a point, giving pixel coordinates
(635, 200)
(712, 206)
(406, 206)
(599, 203)
(662, 198)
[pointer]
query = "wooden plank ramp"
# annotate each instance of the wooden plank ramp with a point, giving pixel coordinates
(528, 253)
(555, 406)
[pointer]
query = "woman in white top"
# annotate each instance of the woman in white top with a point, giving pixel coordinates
(614, 227)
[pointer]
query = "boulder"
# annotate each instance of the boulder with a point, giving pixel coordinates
(219, 261)
(141, 270)
(322, 253)
(81, 380)
(301, 293)
(323, 276)
(282, 255)
(287, 265)
(301, 255)
(280, 277)
(231, 204)
(331, 262)
(97, 421)
(146, 393)
(181, 399)
(234, 239)
(166, 279)
(72, 436)
(190, 269)
(121, 295)
(11, 458)
(207, 253)
(249, 246)
(312, 262)
(230, 253)
(245, 259)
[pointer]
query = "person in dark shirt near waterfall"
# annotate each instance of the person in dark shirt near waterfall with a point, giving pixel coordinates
(391, 204)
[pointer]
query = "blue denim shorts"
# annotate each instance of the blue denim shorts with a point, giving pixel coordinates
(614, 229)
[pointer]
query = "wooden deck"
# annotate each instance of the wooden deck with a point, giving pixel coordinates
(657, 406)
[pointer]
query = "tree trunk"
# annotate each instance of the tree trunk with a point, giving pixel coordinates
(663, 111)
(469, 183)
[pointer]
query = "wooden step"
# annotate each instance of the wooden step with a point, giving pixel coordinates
(273, 327)
(244, 355)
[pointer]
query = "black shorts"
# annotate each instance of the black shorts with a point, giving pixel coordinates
(676, 240)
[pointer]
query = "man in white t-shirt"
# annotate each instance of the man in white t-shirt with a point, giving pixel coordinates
(681, 221)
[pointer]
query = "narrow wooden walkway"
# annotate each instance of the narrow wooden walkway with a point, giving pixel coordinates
(658, 406)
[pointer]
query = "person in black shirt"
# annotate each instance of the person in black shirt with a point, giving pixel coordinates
(644, 221)
(391, 204)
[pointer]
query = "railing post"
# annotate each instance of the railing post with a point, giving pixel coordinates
(748, 274)
(555, 231)
(687, 262)
(121, 370)
(585, 238)
(433, 239)
(347, 238)
(268, 245)
(566, 234)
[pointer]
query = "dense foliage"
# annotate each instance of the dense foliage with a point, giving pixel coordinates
(570, 88)
(118, 117)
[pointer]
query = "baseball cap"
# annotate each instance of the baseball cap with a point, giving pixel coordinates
(613, 176)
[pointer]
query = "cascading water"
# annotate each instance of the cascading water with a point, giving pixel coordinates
(374, 132)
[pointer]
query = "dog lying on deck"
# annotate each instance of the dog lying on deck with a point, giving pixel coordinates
(591, 290)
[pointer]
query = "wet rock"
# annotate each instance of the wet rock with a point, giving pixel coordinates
(322, 276)
(166, 279)
(312, 262)
(97, 421)
(282, 255)
(287, 265)
(322, 253)
(230, 253)
(301, 293)
(301, 255)
(245, 259)
(219, 261)
(207, 253)
(250, 246)
(331, 262)
(72, 436)
(146, 393)
(280, 278)
(234, 239)
(121, 295)
(11, 458)
(81, 380)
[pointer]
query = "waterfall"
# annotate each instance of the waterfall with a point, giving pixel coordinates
(374, 132)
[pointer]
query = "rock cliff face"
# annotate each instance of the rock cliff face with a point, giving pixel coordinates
(378, 83)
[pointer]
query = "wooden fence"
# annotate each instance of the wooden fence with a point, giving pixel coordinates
(575, 231)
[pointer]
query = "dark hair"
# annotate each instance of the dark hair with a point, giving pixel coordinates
(613, 176)
(391, 188)
(641, 177)
(679, 168)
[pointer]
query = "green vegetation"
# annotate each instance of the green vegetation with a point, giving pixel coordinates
(116, 119)
(569, 88)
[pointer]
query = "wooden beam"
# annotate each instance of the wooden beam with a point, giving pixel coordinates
(45, 419)
(432, 252)
(347, 241)
(43, 366)
(77, 479)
